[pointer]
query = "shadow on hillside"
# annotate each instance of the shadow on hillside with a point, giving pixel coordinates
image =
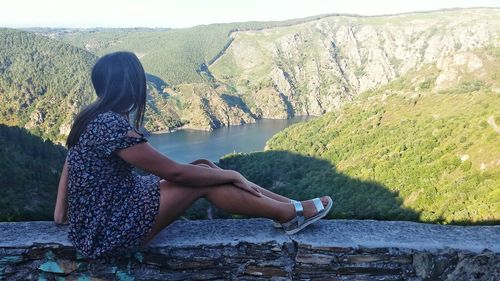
(29, 174)
(157, 81)
(301, 177)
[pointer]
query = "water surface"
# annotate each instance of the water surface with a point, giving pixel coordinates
(187, 145)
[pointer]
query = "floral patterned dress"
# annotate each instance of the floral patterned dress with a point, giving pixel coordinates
(111, 208)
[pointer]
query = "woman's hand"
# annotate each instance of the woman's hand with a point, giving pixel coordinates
(241, 182)
(60, 218)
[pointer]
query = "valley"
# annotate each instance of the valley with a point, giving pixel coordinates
(406, 107)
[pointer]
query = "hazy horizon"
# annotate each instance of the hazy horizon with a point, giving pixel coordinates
(188, 13)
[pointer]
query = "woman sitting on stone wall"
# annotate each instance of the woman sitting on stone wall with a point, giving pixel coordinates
(112, 210)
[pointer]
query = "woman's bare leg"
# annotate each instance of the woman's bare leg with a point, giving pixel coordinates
(268, 193)
(176, 199)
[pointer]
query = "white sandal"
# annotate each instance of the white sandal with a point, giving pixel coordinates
(276, 223)
(299, 222)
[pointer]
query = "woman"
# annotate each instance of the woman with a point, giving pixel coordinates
(111, 209)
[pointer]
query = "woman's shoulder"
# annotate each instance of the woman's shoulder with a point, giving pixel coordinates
(110, 116)
(108, 125)
(109, 121)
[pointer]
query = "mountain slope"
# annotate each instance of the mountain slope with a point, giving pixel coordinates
(174, 55)
(43, 83)
(434, 150)
(29, 172)
(314, 67)
(301, 67)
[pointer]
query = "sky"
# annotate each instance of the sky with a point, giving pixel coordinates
(186, 13)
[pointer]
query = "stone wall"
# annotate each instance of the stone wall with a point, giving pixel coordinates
(254, 250)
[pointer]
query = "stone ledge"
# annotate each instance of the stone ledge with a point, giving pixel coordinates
(329, 233)
(254, 250)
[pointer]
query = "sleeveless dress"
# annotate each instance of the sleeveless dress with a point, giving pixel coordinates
(111, 208)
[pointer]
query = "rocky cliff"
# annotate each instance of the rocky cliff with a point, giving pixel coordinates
(305, 67)
(314, 67)
(254, 250)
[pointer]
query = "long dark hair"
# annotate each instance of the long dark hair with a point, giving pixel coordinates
(120, 84)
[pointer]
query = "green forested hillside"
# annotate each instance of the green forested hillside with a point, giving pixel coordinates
(43, 82)
(29, 173)
(302, 67)
(413, 133)
(403, 151)
(176, 55)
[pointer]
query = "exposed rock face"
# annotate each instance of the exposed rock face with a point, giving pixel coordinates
(209, 108)
(254, 250)
(270, 105)
(453, 67)
(303, 69)
(314, 67)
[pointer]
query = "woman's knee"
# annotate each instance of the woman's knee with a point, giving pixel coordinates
(205, 161)
(201, 161)
(171, 188)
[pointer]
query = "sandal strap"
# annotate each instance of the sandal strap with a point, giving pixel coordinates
(318, 204)
(289, 223)
(299, 212)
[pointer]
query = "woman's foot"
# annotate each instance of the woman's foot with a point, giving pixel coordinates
(309, 209)
(305, 215)
(276, 223)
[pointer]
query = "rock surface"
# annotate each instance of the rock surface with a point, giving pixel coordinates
(253, 250)
(308, 68)
(315, 67)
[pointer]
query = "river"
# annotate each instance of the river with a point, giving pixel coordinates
(187, 145)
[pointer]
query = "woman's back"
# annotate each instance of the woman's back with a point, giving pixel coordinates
(111, 208)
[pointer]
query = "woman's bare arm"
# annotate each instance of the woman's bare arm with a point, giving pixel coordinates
(147, 158)
(61, 209)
